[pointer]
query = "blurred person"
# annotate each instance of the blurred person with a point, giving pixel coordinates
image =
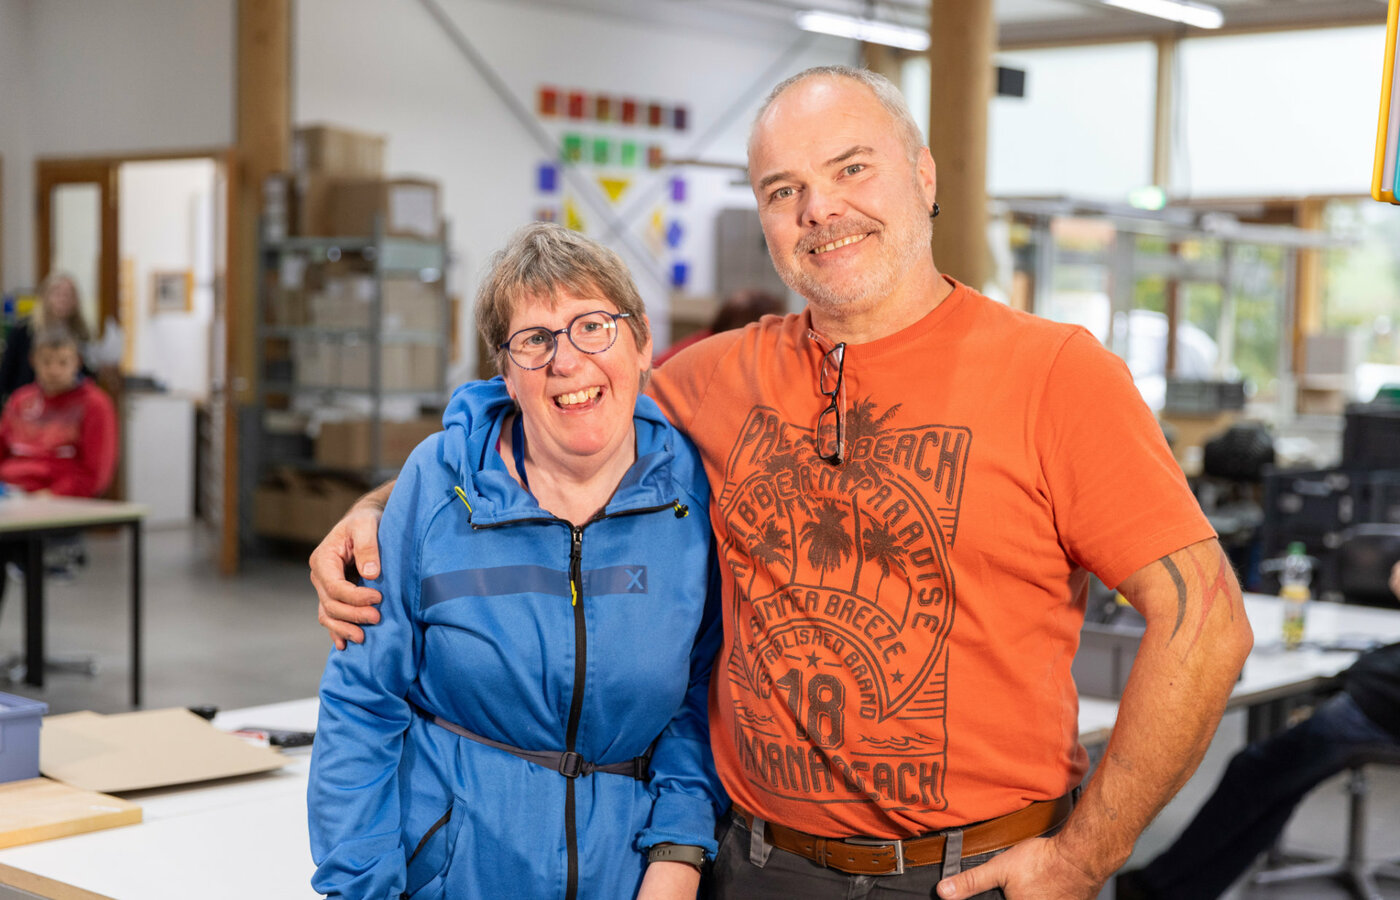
(529, 720)
(1264, 783)
(58, 306)
(738, 309)
(58, 434)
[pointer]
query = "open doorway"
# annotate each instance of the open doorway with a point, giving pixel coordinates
(146, 239)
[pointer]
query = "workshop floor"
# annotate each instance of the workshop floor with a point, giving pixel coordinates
(253, 639)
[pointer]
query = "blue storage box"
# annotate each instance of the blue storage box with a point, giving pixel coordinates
(19, 737)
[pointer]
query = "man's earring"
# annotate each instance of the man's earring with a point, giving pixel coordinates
(933, 213)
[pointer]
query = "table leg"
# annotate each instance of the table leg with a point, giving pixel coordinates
(136, 613)
(33, 610)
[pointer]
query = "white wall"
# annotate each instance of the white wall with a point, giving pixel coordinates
(17, 186)
(167, 225)
(95, 77)
(131, 76)
(364, 65)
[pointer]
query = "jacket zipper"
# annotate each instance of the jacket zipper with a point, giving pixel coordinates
(576, 703)
(580, 660)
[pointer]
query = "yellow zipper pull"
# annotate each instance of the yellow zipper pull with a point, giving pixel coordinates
(462, 495)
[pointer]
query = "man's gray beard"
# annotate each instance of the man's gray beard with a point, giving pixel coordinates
(880, 283)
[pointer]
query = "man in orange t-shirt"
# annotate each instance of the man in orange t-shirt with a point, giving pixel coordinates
(910, 484)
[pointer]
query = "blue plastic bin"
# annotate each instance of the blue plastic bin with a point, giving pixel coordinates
(20, 718)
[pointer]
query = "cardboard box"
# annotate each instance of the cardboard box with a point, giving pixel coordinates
(346, 445)
(403, 367)
(406, 304)
(411, 305)
(1321, 401)
(331, 150)
(1192, 431)
(409, 208)
(296, 507)
(334, 206)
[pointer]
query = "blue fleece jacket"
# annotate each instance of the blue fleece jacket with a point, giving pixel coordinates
(480, 626)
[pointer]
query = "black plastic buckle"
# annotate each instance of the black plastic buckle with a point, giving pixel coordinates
(571, 764)
(641, 766)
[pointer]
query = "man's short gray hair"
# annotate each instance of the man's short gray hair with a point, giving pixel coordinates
(884, 90)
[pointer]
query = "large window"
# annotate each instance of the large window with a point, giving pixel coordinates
(1083, 129)
(1361, 291)
(1283, 114)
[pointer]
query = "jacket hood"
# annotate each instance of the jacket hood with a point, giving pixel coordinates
(472, 432)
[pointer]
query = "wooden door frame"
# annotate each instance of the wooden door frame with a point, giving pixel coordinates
(51, 171)
(49, 174)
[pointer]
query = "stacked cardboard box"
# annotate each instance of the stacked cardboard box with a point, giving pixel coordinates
(345, 445)
(340, 187)
(344, 301)
(296, 507)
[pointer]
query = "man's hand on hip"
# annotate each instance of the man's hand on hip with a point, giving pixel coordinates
(1036, 869)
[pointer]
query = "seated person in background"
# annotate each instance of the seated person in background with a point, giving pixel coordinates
(738, 309)
(58, 307)
(1267, 780)
(58, 434)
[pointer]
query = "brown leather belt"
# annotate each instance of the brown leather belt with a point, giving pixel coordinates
(887, 856)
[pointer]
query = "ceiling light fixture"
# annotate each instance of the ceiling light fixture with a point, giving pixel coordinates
(1201, 15)
(869, 30)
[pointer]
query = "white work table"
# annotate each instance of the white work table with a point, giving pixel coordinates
(236, 838)
(247, 837)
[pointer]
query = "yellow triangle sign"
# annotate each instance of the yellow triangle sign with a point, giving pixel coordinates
(572, 220)
(614, 187)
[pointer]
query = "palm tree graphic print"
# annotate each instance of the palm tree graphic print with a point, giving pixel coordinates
(843, 599)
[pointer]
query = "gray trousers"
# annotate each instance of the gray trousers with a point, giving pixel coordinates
(783, 875)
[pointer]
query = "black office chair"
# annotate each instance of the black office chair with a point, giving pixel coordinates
(1354, 870)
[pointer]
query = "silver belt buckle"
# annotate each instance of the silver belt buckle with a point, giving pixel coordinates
(898, 846)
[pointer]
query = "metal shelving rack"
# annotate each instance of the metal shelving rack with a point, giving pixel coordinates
(387, 257)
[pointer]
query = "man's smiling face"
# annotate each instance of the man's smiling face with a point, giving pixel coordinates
(844, 208)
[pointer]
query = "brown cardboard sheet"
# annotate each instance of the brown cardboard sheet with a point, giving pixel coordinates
(146, 749)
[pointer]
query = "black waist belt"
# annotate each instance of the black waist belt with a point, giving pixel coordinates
(565, 762)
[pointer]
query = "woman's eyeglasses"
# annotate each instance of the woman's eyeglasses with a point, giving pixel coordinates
(590, 332)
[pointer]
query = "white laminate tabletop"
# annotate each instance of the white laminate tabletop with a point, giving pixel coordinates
(236, 838)
(22, 513)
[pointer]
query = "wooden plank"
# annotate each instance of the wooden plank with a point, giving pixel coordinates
(39, 809)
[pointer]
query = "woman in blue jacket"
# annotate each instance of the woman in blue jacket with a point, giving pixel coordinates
(529, 717)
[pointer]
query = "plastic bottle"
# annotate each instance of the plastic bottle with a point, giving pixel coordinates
(1295, 577)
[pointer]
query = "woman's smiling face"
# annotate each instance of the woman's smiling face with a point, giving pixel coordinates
(579, 405)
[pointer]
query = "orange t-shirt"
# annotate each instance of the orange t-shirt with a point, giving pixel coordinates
(899, 629)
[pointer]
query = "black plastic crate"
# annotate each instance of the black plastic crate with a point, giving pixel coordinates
(1372, 436)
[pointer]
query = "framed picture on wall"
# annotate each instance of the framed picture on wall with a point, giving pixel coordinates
(172, 290)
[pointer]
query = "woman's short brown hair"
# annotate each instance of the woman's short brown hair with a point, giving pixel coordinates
(538, 262)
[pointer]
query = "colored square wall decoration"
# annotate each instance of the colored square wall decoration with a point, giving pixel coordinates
(548, 101)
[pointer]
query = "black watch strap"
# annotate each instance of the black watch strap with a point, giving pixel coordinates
(689, 854)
